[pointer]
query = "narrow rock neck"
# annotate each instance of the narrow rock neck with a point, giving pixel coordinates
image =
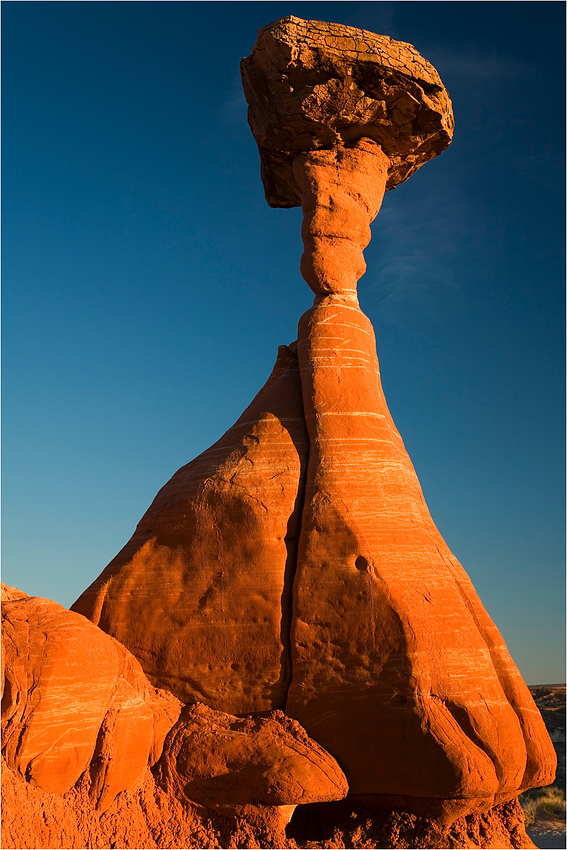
(342, 191)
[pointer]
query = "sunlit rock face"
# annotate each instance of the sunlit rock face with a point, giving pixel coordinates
(294, 565)
(201, 594)
(94, 756)
(312, 85)
(75, 700)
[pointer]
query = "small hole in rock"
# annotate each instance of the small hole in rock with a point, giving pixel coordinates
(361, 563)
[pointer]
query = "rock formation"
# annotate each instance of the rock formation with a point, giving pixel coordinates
(73, 699)
(294, 566)
(311, 86)
(201, 594)
(220, 760)
(88, 742)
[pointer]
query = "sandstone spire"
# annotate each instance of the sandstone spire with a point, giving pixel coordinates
(294, 565)
(394, 658)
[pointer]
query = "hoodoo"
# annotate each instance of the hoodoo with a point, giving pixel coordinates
(294, 566)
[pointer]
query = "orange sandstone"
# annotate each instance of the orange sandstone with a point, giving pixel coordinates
(293, 565)
(397, 669)
(220, 760)
(201, 594)
(387, 629)
(74, 699)
(82, 727)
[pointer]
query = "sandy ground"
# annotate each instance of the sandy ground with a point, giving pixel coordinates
(548, 833)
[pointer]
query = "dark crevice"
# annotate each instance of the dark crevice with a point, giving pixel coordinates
(281, 687)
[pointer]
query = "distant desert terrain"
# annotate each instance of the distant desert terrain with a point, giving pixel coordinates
(548, 828)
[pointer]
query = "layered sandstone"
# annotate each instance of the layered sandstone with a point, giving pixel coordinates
(292, 566)
(386, 626)
(201, 594)
(93, 754)
(75, 700)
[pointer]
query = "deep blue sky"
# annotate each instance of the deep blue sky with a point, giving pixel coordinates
(147, 284)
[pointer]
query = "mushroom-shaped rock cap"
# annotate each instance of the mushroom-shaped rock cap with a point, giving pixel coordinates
(311, 85)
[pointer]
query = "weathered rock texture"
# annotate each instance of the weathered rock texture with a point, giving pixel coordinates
(216, 759)
(74, 699)
(342, 191)
(390, 640)
(83, 730)
(353, 824)
(312, 85)
(201, 594)
(149, 817)
(384, 653)
(294, 565)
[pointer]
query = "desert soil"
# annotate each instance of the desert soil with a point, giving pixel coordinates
(548, 833)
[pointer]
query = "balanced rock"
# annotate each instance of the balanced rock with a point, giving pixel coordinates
(395, 661)
(312, 85)
(294, 565)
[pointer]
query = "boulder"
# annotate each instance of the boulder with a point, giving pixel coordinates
(74, 699)
(312, 85)
(216, 759)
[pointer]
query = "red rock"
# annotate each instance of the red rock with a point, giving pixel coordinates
(397, 669)
(349, 823)
(74, 698)
(150, 818)
(426, 702)
(383, 651)
(166, 710)
(126, 735)
(217, 759)
(10, 593)
(201, 593)
(342, 191)
(312, 85)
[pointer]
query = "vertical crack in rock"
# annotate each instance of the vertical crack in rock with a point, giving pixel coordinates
(395, 662)
(281, 687)
(295, 563)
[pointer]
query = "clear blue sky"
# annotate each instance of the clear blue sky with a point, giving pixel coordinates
(147, 284)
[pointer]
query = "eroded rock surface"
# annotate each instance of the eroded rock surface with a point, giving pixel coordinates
(201, 594)
(216, 759)
(311, 85)
(82, 728)
(74, 700)
(342, 191)
(294, 565)
(384, 653)
(386, 626)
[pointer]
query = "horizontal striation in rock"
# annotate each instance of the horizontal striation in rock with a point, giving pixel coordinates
(395, 662)
(201, 593)
(74, 699)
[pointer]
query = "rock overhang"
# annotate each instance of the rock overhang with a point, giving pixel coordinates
(311, 85)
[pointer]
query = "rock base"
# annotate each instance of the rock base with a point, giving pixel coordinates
(349, 824)
(150, 818)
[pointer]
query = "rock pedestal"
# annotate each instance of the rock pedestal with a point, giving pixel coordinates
(294, 565)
